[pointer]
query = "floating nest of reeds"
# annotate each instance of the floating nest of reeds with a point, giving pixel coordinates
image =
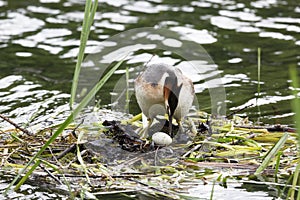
(109, 158)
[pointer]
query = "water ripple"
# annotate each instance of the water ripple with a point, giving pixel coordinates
(264, 3)
(230, 30)
(198, 36)
(46, 34)
(118, 3)
(146, 7)
(232, 24)
(242, 15)
(44, 10)
(119, 18)
(276, 35)
(75, 16)
(35, 101)
(3, 3)
(9, 80)
(18, 23)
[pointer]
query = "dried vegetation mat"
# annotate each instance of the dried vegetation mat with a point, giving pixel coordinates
(117, 161)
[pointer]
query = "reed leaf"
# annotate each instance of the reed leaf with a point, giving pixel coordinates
(296, 109)
(296, 101)
(233, 153)
(89, 13)
(295, 183)
(216, 144)
(212, 191)
(277, 165)
(36, 164)
(272, 152)
(258, 81)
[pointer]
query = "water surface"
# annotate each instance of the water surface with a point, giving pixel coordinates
(39, 43)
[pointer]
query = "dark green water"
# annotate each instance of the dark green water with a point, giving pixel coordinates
(39, 42)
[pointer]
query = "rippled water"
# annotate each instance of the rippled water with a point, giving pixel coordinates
(39, 42)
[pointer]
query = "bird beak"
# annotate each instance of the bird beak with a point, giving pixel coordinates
(166, 98)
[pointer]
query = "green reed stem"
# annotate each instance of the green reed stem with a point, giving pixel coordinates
(296, 108)
(89, 14)
(277, 166)
(258, 79)
(36, 164)
(296, 100)
(212, 191)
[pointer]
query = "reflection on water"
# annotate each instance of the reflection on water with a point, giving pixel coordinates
(234, 191)
(29, 103)
(47, 34)
(39, 43)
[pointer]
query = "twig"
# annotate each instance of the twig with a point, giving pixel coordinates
(50, 174)
(74, 130)
(54, 157)
(275, 128)
(66, 151)
(73, 146)
(145, 65)
(221, 165)
(192, 150)
(114, 192)
(5, 159)
(5, 153)
(16, 125)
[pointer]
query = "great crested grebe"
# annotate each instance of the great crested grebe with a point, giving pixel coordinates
(161, 89)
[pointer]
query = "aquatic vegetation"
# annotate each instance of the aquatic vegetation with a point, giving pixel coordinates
(119, 162)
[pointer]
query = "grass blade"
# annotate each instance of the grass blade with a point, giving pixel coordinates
(89, 13)
(258, 81)
(277, 166)
(271, 154)
(212, 191)
(92, 14)
(295, 183)
(296, 109)
(296, 101)
(36, 164)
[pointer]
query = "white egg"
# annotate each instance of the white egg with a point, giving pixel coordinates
(161, 138)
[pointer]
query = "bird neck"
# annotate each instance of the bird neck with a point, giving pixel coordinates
(171, 94)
